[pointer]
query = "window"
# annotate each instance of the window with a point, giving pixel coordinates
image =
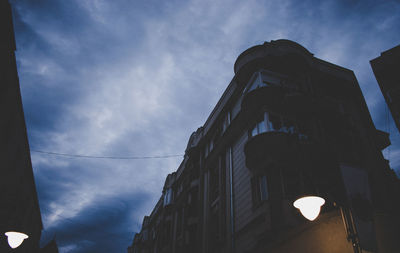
(214, 232)
(226, 122)
(262, 183)
(180, 189)
(166, 234)
(256, 82)
(145, 235)
(208, 148)
(259, 189)
(262, 79)
(193, 202)
(236, 108)
(288, 126)
(179, 222)
(260, 127)
(268, 78)
(303, 130)
(291, 182)
(214, 183)
(276, 123)
(265, 78)
(168, 197)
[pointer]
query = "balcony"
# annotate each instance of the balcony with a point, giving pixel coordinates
(268, 97)
(270, 91)
(279, 147)
(248, 61)
(269, 148)
(300, 104)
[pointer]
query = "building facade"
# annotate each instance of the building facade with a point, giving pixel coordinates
(19, 210)
(386, 69)
(288, 125)
(50, 247)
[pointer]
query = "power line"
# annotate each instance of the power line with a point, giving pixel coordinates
(105, 157)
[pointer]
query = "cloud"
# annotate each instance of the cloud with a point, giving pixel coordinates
(135, 78)
(98, 228)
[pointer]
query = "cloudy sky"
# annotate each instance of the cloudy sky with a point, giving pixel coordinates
(136, 77)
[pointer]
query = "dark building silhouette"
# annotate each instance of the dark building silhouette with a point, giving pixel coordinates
(51, 247)
(288, 125)
(387, 72)
(19, 204)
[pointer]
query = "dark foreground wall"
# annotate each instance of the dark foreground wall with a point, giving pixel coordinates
(18, 199)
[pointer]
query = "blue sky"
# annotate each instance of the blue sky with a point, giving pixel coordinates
(135, 78)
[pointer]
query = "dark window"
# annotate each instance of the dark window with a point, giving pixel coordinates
(179, 222)
(214, 183)
(262, 79)
(289, 126)
(263, 187)
(236, 108)
(291, 182)
(259, 185)
(193, 237)
(272, 122)
(214, 227)
(256, 82)
(226, 121)
(193, 201)
(167, 233)
(260, 127)
(168, 197)
(269, 79)
(303, 130)
(145, 235)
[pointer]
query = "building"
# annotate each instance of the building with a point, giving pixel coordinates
(19, 210)
(288, 125)
(50, 247)
(386, 69)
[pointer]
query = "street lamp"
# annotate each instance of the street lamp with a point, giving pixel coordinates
(15, 239)
(309, 206)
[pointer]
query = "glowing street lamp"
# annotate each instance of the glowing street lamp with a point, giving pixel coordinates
(15, 239)
(309, 206)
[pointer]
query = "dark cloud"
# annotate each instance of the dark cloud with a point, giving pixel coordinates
(101, 227)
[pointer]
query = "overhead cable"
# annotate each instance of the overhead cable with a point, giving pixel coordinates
(105, 157)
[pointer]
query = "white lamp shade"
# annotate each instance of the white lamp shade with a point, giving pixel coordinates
(15, 238)
(309, 206)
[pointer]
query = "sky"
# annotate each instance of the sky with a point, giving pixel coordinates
(136, 77)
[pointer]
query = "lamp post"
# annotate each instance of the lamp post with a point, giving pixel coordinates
(310, 207)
